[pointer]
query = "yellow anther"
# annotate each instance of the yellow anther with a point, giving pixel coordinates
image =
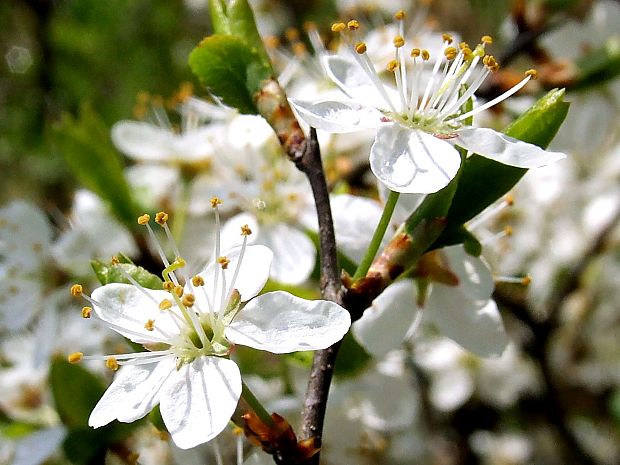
(527, 280)
(86, 311)
(75, 357)
(532, 73)
(111, 363)
(114, 260)
(486, 40)
(76, 290)
(223, 261)
(392, 65)
(426, 55)
(450, 53)
(508, 230)
(338, 27)
(447, 38)
(299, 49)
(198, 281)
(398, 41)
(237, 431)
(165, 304)
(144, 219)
(510, 200)
(291, 34)
(360, 48)
(271, 42)
(168, 286)
(463, 45)
(400, 15)
(161, 218)
(188, 300)
(149, 325)
(353, 25)
(415, 52)
(215, 201)
(467, 53)
(178, 290)
(245, 230)
(490, 62)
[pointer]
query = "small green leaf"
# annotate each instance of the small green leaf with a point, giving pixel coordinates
(231, 69)
(352, 358)
(113, 273)
(86, 147)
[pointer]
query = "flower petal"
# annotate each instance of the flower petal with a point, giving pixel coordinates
(337, 116)
(142, 141)
(294, 253)
(504, 149)
(128, 308)
(199, 399)
(412, 161)
(280, 323)
(475, 279)
(385, 324)
(474, 325)
(133, 393)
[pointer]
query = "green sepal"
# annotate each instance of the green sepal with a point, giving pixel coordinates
(85, 144)
(599, 66)
(157, 420)
(231, 69)
(111, 273)
(460, 235)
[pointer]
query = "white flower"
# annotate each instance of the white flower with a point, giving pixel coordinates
(417, 124)
(462, 309)
(190, 332)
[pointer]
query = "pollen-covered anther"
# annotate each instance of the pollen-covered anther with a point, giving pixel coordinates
(415, 52)
(76, 290)
(526, 280)
(392, 65)
(144, 219)
(532, 73)
(168, 286)
(111, 363)
(215, 201)
(178, 290)
(165, 305)
(510, 200)
(450, 53)
(114, 260)
(188, 300)
(490, 62)
(338, 27)
(291, 34)
(198, 281)
(464, 45)
(447, 38)
(360, 48)
(299, 48)
(353, 25)
(75, 357)
(508, 230)
(245, 230)
(223, 262)
(426, 55)
(487, 40)
(86, 311)
(149, 325)
(271, 42)
(398, 41)
(161, 218)
(400, 15)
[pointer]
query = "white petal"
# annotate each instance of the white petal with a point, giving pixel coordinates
(127, 307)
(294, 253)
(279, 322)
(384, 325)
(253, 274)
(451, 388)
(504, 149)
(199, 399)
(412, 161)
(230, 236)
(142, 141)
(355, 221)
(474, 325)
(337, 116)
(475, 278)
(134, 392)
(38, 446)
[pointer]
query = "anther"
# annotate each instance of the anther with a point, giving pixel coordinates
(114, 260)
(149, 325)
(198, 281)
(165, 304)
(486, 40)
(392, 65)
(398, 41)
(360, 48)
(400, 15)
(223, 262)
(86, 311)
(338, 27)
(415, 52)
(271, 42)
(188, 300)
(291, 34)
(299, 49)
(464, 45)
(508, 230)
(532, 73)
(111, 363)
(168, 286)
(144, 219)
(447, 38)
(353, 25)
(75, 357)
(178, 290)
(450, 53)
(215, 201)
(161, 218)
(245, 230)
(76, 290)
(510, 200)
(426, 55)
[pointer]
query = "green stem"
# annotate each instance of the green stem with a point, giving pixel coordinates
(377, 237)
(253, 402)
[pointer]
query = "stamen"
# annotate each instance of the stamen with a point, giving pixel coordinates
(400, 15)
(165, 305)
(86, 311)
(398, 41)
(524, 281)
(506, 232)
(188, 300)
(338, 27)
(111, 363)
(198, 281)
(76, 290)
(353, 25)
(75, 357)
(149, 325)
(490, 212)
(130, 278)
(360, 48)
(144, 220)
(487, 40)
(447, 38)
(223, 262)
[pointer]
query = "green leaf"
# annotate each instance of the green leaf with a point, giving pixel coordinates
(231, 70)
(88, 151)
(113, 273)
(352, 358)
